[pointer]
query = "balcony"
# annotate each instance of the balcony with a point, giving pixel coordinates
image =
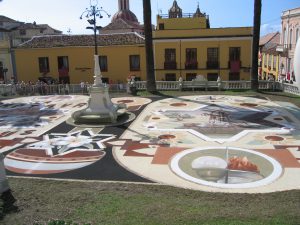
(284, 48)
(191, 65)
(212, 65)
(170, 65)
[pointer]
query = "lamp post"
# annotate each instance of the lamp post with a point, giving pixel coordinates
(91, 14)
(100, 108)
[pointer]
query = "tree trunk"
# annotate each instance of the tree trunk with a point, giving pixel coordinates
(255, 44)
(151, 85)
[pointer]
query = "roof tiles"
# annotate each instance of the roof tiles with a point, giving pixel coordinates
(51, 41)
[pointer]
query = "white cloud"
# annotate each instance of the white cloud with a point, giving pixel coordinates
(269, 28)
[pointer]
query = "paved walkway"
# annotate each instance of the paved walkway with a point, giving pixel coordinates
(210, 143)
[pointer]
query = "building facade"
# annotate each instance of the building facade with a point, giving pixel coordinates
(69, 58)
(13, 33)
(184, 46)
(268, 68)
(7, 25)
(290, 23)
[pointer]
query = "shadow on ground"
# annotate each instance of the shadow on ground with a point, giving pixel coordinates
(7, 204)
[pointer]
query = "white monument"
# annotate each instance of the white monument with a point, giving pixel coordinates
(297, 63)
(100, 110)
(100, 107)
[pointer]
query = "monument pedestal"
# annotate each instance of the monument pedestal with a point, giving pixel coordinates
(100, 107)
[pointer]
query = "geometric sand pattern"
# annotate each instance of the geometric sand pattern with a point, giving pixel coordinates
(210, 143)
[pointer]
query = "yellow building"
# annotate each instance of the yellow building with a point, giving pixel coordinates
(270, 65)
(70, 58)
(269, 57)
(5, 57)
(13, 33)
(184, 46)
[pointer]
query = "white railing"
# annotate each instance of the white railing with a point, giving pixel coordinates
(205, 85)
(290, 89)
(235, 85)
(167, 85)
(195, 85)
(33, 89)
(7, 89)
(140, 85)
(28, 89)
(268, 85)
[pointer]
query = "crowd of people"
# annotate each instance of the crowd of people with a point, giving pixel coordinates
(40, 87)
(49, 88)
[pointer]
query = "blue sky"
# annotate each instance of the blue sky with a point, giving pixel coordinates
(64, 14)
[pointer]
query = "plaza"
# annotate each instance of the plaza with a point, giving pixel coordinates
(162, 145)
(194, 120)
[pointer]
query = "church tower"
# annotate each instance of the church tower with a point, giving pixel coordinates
(125, 13)
(175, 11)
(123, 5)
(123, 21)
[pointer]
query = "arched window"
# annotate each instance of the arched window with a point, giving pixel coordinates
(285, 37)
(291, 38)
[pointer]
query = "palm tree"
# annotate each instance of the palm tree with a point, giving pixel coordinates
(151, 85)
(255, 44)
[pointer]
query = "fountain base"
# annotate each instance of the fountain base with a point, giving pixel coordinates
(100, 111)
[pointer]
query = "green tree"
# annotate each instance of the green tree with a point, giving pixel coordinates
(255, 44)
(151, 85)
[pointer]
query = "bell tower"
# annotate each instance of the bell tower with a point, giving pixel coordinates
(175, 11)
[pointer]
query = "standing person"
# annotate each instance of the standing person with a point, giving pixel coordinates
(12, 80)
(120, 86)
(67, 89)
(180, 80)
(63, 88)
(82, 86)
(288, 76)
(87, 87)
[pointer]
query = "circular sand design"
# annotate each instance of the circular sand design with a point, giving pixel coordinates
(178, 104)
(274, 138)
(245, 168)
(193, 133)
